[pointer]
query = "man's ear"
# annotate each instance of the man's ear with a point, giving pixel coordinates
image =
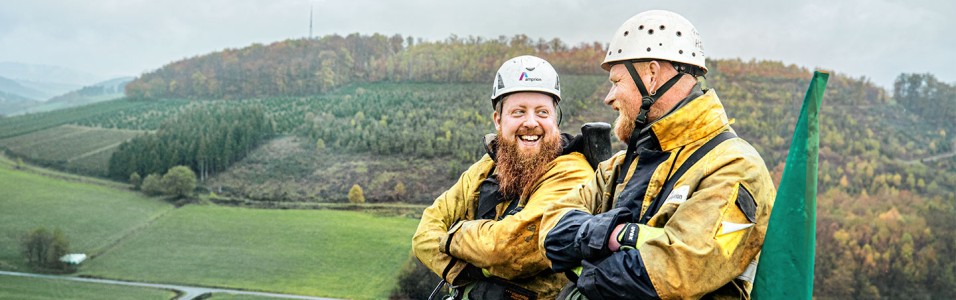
(497, 118)
(654, 70)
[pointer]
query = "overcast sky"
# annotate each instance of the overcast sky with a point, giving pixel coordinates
(878, 39)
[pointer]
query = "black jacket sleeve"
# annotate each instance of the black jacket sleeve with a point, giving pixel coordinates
(579, 236)
(619, 276)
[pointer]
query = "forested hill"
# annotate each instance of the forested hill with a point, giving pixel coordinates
(311, 66)
(396, 96)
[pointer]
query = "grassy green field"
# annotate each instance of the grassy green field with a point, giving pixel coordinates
(13, 287)
(91, 216)
(313, 252)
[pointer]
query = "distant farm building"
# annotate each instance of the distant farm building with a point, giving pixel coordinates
(73, 258)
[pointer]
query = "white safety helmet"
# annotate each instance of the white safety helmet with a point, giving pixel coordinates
(657, 35)
(525, 73)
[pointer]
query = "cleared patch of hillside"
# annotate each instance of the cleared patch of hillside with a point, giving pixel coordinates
(300, 172)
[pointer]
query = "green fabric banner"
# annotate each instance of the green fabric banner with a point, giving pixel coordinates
(785, 270)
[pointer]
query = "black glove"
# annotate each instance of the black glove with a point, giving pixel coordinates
(628, 236)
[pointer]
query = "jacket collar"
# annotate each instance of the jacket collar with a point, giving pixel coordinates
(691, 121)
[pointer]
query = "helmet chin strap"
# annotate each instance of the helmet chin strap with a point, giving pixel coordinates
(648, 99)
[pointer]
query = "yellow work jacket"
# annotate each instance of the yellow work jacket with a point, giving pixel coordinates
(504, 247)
(703, 238)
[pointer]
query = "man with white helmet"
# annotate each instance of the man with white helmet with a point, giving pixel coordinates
(682, 213)
(481, 235)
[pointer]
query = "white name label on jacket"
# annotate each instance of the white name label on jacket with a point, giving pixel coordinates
(679, 195)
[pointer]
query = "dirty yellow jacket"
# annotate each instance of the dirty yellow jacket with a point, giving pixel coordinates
(705, 238)
(505, 247)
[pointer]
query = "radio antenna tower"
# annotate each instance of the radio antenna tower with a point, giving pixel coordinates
(310, 21)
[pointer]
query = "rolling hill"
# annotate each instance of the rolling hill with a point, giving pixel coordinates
(13, 87)
(12, 103)
(103, 91)
(38, 83)
(57, 79)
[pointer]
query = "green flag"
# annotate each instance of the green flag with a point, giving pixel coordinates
(785, 270)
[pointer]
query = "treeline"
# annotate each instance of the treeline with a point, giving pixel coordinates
(207, 139)
(475, 59)
(924, 95)
(314, 66)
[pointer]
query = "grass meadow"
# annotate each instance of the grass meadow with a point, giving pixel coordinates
(91, 216)
(339, 254)
(331, 253)
(22, 288)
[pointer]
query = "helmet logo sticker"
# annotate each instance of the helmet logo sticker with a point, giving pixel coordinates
(525, 73)
(525, 77)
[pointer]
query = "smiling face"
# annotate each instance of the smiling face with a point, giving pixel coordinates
(528, 139)
(526, 119)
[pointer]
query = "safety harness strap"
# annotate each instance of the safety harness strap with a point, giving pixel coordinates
(648, 99)
(670, 181)
(636, 77)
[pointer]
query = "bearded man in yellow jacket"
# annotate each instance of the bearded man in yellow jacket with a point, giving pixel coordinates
(682, 213)
(481, 235)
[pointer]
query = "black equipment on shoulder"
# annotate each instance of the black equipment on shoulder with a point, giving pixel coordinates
(594, 142)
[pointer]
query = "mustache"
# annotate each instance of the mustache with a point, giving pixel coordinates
(530, 131)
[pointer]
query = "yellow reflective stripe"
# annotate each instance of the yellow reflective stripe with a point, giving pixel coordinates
(577, 271)
(485, 272)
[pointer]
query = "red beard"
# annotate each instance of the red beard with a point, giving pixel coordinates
(516, 170)
(624, 125)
